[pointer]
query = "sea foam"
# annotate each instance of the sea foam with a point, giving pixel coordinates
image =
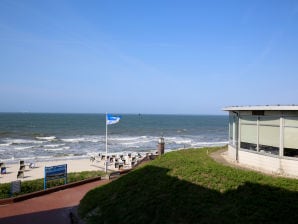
(49, 138)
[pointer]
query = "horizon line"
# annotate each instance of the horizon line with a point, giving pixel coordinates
(125, 113)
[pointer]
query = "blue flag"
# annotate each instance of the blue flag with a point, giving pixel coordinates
(112, 119)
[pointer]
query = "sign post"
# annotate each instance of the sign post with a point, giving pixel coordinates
(15, 187)
(55, 172)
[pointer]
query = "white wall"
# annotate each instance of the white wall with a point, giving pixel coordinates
(268, 164)
(261, 162)
(290, 167)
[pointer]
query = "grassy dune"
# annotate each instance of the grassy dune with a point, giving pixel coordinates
(189, 187)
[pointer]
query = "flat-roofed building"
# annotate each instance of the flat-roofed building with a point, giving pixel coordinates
(264, 137)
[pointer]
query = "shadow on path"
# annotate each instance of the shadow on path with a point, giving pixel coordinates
(56, 216)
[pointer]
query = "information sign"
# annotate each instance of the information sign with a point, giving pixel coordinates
(55, 172)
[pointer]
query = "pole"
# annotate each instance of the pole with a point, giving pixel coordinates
(106, 165)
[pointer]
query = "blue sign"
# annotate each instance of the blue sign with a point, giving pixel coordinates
(55, 172)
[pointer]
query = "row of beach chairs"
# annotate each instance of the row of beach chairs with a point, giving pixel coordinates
(120, 161)
(22, 168)
(20, 172)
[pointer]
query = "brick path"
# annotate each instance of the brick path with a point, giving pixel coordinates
(52, 208)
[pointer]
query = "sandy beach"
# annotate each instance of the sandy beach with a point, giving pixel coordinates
(73, 165)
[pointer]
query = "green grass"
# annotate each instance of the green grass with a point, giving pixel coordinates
(189, 187)
(37, 185)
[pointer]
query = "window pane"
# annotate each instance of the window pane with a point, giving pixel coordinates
(249, 133)
(250, 146)
(233, 129)
(275, 121)
(291, 137)
(231, 120)
(291, 122)
(269, 135)
(249, 120)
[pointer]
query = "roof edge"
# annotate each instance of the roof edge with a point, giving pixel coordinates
(266, 107)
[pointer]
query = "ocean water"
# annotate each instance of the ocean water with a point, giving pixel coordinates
(47, 136)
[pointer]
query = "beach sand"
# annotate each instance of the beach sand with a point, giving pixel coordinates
(73, 165)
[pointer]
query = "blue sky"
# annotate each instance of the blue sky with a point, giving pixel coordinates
(172, 57)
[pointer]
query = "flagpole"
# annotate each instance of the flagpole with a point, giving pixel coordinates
(106, 165)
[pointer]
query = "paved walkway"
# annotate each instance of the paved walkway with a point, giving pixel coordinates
(220, 156)
(52, 208)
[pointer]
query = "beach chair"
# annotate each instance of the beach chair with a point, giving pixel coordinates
(32, 165)
(3, 170)
(92, 159)
(22, 167)
(121, 166)
(22, 162)
(20, 174)
(2, 164)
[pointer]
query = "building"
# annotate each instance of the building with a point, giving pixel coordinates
(265, 138)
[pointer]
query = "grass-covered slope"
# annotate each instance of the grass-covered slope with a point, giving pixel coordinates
(189, 187)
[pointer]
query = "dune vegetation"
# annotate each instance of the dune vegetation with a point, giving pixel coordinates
(188, 186)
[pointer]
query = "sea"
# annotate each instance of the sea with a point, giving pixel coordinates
(49, 136)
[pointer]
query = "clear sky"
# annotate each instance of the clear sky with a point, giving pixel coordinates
(147, 56)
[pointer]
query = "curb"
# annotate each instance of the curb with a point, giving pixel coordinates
(47, 191)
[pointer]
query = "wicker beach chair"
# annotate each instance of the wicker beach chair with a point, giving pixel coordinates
(32, 165)
(22, 167)
(20, 174)
(92, 159)
(3, 170)
(121, 166)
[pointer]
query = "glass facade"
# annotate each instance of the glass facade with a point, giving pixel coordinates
(263, 134)
(269, 134)
(248, 132)
(290, 136)
(260, 133)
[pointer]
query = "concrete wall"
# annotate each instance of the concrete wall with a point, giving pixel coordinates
(265, 163)
(289, 167)
(260, 162)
